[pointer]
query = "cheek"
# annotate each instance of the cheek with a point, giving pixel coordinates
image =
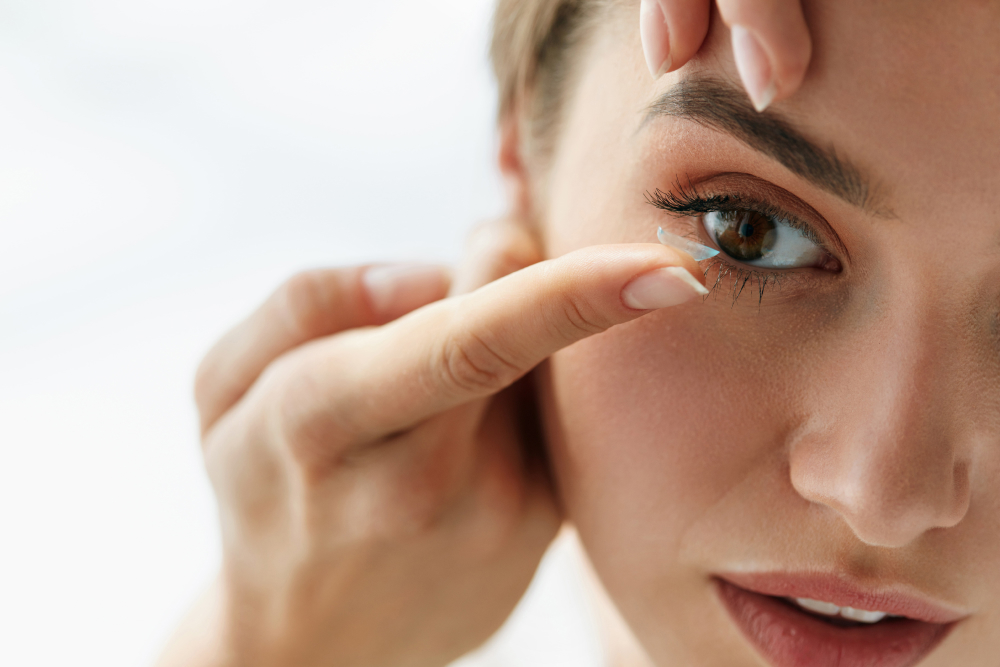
(664, 436)
(649, 425)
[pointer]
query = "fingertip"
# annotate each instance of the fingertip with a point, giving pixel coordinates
(655, 36)
(662, 288)
(771, 46)
(791, 68)
(790, 59)
(681, 259)
(638, 276)
(754, 67)
(687, 26)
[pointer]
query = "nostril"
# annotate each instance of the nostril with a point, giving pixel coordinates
(888, 495)
(886, 529)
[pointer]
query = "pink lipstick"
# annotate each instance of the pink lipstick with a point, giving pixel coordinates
(808, 620)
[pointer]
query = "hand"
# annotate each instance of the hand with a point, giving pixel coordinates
(380, 499)
(771, 41)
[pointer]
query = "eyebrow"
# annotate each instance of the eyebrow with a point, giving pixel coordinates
(722, 107)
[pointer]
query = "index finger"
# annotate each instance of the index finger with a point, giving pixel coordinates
(309, 305)
(465, 348)
(771, 42)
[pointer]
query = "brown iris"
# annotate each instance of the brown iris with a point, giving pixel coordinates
(746, 235)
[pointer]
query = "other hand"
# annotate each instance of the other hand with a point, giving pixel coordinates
(771, 41)
(382, 499)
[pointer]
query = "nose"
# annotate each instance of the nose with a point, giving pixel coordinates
(882, 446)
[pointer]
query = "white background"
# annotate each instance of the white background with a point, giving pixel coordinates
(164, 164)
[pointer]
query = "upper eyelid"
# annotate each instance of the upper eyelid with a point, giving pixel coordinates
(700, 204)
(691, 199)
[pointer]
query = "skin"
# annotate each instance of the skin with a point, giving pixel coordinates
(383, 494)
(673, 31)
(845, 423)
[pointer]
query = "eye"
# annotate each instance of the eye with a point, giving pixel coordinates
(763, 240)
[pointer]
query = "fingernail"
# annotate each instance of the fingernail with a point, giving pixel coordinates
(396, 288)
(655, 37)
(754, 68)
(659, 288)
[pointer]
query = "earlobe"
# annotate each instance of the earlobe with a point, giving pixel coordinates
(513, 166)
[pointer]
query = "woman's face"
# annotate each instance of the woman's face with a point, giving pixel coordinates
(828, 431)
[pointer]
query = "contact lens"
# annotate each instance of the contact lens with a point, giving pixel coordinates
(696, 250)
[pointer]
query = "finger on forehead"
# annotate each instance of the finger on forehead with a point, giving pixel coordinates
(679, 27)
(310, 305)
(469, 347)
(781, 30)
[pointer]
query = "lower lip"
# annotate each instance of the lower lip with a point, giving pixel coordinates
(787, 637)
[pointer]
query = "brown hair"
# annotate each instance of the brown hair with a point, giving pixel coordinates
(532, 47)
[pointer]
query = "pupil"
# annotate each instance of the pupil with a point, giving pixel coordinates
(746, 230)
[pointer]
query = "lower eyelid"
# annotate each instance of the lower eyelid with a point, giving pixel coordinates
(746, 281)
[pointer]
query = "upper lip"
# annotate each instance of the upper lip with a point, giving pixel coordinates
(843, 592)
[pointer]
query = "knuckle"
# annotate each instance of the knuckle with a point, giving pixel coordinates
(287, 392)
(578, 316)
(298, 416)
(471, 364)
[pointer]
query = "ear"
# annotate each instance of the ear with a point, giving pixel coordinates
(514, 167)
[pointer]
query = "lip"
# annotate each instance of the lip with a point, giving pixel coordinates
(787, 636)
(843, 593)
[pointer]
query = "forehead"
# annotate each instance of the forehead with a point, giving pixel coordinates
(910, 87)
(908, 90)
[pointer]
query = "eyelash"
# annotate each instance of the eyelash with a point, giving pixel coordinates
(687, 202)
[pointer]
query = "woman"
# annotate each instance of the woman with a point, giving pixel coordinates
(799, 469)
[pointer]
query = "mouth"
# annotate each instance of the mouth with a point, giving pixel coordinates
(820, 621)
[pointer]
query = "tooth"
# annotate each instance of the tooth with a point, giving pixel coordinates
(825, 608)
(861, 615)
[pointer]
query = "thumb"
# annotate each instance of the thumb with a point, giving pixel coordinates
(493, 250)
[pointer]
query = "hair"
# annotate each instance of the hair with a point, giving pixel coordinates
(532, 51)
